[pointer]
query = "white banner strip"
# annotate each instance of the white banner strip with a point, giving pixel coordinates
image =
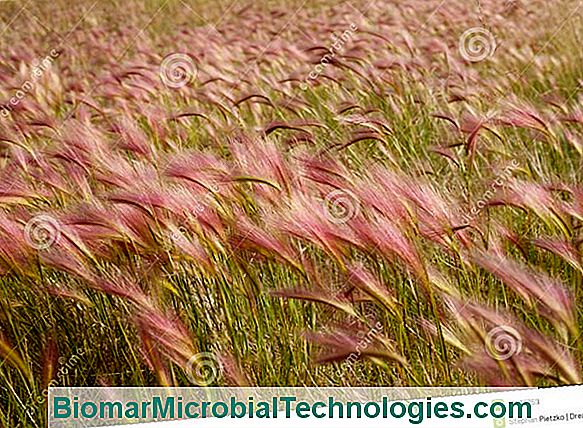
(326, 407)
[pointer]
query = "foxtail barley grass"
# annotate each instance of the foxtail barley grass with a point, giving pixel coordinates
(188, 196)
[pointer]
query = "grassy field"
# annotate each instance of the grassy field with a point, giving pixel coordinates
(289, 193)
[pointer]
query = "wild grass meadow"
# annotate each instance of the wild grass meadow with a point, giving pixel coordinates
(289, 193)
